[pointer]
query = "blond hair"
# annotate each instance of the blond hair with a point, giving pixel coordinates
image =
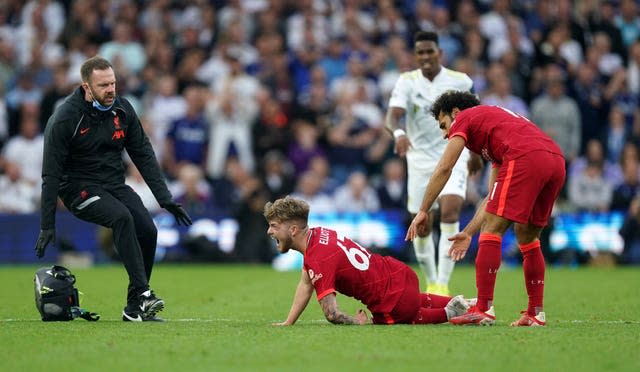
(287, 209)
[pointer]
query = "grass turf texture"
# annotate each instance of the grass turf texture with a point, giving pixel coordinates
(219, 318)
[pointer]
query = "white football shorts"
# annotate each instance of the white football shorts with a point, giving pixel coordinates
(419, 171)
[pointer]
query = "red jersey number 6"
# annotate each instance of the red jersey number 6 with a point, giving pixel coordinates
(357, 255)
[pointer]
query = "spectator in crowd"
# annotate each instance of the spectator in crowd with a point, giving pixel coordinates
(600, 16)
(252, 245)
(188, 136)
(356, 195)
(633, 68)
(557, 114)
(320, 165)
(309, 189)
(625, 191)
(234, 186)
(17, 194)
(392, 189)
(24, 150)
(630, 233)
(277, 175)
(349, 138)
(191, 190)
(609, 61)
(594, 154)
(500, 91)
(334, 61)
(615, 134)
(305, 146)
(164, 105)
(271, 130)
(54, 95)
(127, 53)
(24, 92)
(588, 92)
(627, 20)
(589, 190)
(231, 112)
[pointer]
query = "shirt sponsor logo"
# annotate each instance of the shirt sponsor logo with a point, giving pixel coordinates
(84, 131)
(314, 277)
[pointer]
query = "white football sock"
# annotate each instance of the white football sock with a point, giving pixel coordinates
(445, 263)
(424, 249)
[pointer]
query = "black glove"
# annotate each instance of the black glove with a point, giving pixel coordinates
(46, 236)
(182, 218)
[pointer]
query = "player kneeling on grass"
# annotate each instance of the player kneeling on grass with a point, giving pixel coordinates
(334, 263)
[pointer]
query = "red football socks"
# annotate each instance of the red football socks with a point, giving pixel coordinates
(487, 265)
(533, 267)
(434, 301)
(430, 316)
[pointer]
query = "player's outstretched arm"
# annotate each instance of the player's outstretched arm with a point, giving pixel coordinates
(336, 316)
(300, 300)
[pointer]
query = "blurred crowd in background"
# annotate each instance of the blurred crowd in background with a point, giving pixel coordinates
(249, 100)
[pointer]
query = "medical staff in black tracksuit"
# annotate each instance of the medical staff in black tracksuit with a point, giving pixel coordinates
(83, 164)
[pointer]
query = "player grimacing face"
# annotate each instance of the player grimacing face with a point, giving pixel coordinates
(281, 233)
(427, 56)
(102, 86)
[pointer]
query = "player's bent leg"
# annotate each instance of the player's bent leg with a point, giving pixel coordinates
(431, 300)
(431, 316)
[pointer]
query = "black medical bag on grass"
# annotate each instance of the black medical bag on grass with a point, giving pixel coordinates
(57, 297)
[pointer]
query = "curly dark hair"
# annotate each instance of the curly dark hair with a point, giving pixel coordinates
(453, 98)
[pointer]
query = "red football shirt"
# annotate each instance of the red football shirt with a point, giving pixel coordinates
(335, 263)
(499, 135)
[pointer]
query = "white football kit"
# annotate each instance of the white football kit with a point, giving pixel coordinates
(416, 94)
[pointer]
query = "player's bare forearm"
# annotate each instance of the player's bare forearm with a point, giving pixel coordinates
(334, 314)
(478, 218)
(392, 119)
(442, 172)
(304, 290)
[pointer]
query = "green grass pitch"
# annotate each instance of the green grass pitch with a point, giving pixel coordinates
(219, 319)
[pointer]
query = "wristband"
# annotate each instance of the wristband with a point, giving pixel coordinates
(399, 133)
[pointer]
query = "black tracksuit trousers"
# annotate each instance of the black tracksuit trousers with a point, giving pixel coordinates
(135, 235)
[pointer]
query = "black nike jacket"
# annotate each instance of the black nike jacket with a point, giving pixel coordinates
(83, 145)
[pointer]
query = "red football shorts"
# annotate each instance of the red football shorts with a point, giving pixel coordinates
(407, 306)
(527, 187)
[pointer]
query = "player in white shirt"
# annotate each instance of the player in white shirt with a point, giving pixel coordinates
(422, 143)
